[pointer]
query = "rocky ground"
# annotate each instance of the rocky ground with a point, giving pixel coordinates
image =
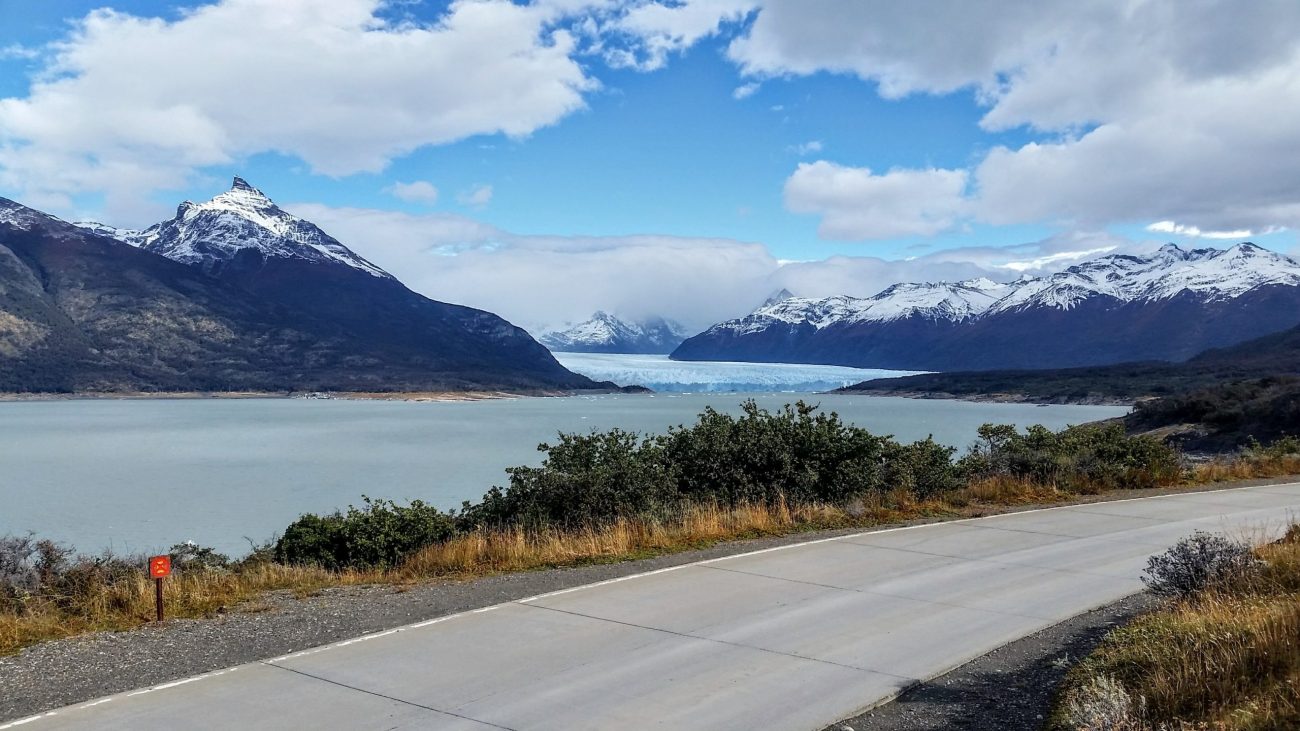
(1012, 687)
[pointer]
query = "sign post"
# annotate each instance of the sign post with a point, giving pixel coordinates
(160, 567)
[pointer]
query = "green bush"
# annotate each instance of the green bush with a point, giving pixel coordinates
(584, 479)
(1088, 457)
(380, 534)
(759, 456)
(797, 454)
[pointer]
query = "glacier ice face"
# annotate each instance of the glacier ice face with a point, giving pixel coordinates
(658, 373)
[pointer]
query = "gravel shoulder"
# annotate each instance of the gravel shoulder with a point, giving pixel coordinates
(1012, 687)
(59, 673)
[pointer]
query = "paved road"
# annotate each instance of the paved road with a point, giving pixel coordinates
(789, 638)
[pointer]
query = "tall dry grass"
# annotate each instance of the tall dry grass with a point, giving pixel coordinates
(1227, 659)
(129, 602)
(1251, 465)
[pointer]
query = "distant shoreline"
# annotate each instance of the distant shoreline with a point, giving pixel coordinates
(412, 396)
(988, 398)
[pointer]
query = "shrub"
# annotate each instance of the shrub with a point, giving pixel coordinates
(1200, 561)
(1083, 458)
(584, 480)
(190, 556)
(26, 566)
(795, 454)
(379, 534)
(1101, 704)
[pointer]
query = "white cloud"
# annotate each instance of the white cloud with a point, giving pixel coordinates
(1154, 110)
(657, 30)
(855, 203)
(477, 196)
(1170, 227)
(806, 148)
(540, 281)
(745, 91)
(416, 191)
(128, 105)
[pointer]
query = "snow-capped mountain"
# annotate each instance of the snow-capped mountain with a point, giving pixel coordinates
(235, 294)
(780, 295)
(1168, 305)
(605, 333)
(937, 301)
(240, 223)
(1214, 274)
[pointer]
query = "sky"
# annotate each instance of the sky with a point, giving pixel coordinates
(686, 158)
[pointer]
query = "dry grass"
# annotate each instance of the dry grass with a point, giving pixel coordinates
(1228, 659)
(130, 603)
(1246, 467)
(125, 604)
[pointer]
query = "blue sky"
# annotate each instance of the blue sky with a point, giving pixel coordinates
(874, 142)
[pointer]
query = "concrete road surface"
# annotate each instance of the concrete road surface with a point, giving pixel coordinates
(788, 638)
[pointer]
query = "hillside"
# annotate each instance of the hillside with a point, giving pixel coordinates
(81, 311)
(1165, 306)
(1277, 354)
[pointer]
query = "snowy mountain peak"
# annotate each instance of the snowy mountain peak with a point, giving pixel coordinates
(242, 185)
(242, 219)
(606, 333)
(1210, 274)
(781, 296)
(20, 216)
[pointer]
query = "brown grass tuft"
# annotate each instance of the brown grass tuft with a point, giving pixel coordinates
(1228, 659)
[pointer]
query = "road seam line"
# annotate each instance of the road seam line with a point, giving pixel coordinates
(888, 595)
(741, 645)
(394, 699)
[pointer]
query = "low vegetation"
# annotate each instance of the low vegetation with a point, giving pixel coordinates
(1224, 654)
(611, 496)
(1228, 415)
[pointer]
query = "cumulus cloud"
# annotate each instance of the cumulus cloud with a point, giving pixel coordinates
(1170, 227)
(1159, 110)
(542, 281)
(855, 203)
(127, 105)
(477, 196)
(657, 29)
(416, 191)
(744, 91)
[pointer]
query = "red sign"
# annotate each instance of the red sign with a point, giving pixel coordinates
(160, 566)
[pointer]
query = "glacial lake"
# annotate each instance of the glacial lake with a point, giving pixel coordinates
(140, 475)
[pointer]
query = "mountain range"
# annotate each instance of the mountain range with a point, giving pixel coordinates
(605, 333)
(1167, 306)
(236, 294)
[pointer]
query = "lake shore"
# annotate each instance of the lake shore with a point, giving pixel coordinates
(984, 398)
(415, 396)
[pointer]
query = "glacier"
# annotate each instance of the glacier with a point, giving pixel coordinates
(658, 373)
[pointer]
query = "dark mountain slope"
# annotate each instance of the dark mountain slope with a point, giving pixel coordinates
(1168, 305)
(83, 312)
(1277, 354)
